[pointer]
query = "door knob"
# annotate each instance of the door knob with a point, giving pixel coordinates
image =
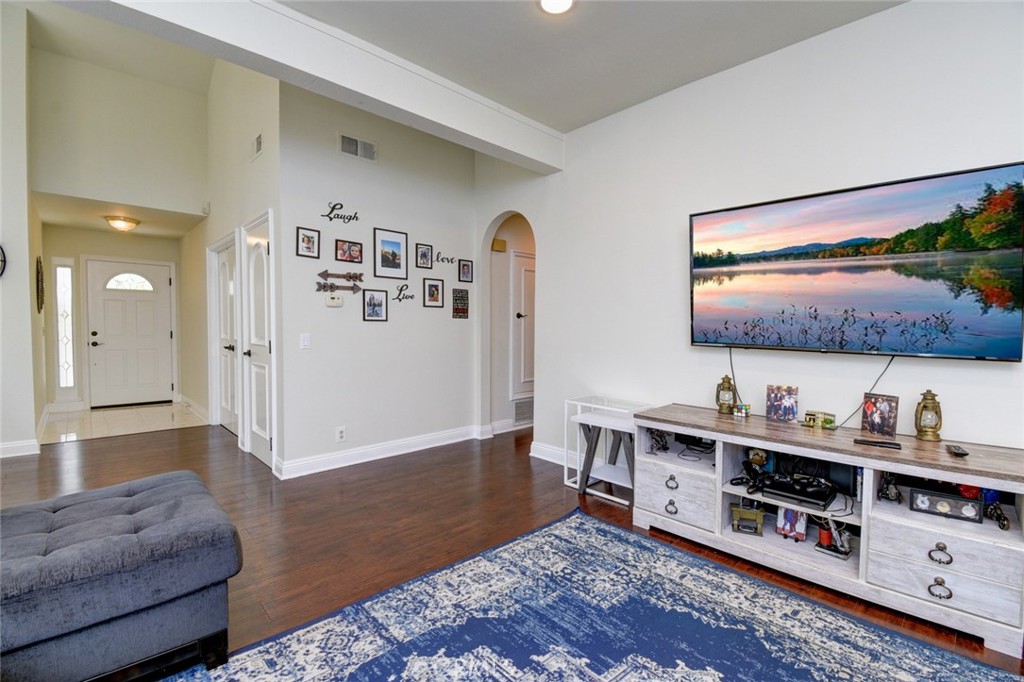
(520, 316)
(96, 343)
(230, 347)
(94, 333)
(247, 353)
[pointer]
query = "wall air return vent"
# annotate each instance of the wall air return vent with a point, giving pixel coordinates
(524, 412)
(350, 146)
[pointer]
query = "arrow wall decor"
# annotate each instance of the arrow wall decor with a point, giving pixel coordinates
(331, 286)
(348, 276)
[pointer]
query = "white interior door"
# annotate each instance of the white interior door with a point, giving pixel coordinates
(129, 341)
(228, 340)
(523, 273)
(257, 316)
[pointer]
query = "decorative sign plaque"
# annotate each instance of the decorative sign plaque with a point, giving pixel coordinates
(460, 304)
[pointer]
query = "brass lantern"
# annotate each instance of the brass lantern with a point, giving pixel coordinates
(928, 417)
(725, 395)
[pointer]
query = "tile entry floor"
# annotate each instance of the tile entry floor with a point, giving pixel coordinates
(116, 421)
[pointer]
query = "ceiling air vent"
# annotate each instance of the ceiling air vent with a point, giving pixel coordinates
(359, 148)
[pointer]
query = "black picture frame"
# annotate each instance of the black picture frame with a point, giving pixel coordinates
(347, 251)
(307, 242)
(375, 305)
(465, 270)
(433, 293)
(390, 254)
(425, 256)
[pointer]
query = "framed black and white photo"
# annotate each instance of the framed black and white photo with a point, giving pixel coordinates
(307, 242)
(465, 270)
(350, 252)
(433, 293)
(375, 305)
(390, 254)
(424, 256)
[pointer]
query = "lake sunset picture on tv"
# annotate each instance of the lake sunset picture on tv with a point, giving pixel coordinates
(931, 266)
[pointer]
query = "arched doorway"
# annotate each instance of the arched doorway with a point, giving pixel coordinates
(512, 272)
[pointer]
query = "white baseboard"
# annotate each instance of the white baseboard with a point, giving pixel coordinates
(76, 406)
(548, 453)
(506, 425)
(344, 458)
(18, 448)
(195, 408)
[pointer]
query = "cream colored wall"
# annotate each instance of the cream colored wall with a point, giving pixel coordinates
(101, 134)
(77, 244)
(518, 236)
(192, 342)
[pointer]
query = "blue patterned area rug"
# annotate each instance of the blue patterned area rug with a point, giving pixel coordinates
(581, 599)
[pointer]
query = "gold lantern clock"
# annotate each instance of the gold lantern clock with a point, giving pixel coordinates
(928, 417)
(725, 395)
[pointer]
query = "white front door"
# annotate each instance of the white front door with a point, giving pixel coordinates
(257, 317)
(524, 273)
(129, 341)
(228, 340)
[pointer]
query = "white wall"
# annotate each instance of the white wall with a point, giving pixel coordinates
(105, 135)
(918, 89)
(408, 381)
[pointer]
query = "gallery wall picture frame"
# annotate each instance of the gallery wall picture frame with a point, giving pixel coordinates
(307, 242)
(375, 305)
(465, 270)
(425, 256)
(878, 414)
(433, 293)
(349, 252)
(390, 254)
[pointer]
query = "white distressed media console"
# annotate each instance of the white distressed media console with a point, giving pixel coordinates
(968, 576)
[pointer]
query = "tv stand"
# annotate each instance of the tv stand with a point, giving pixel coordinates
(969, 576)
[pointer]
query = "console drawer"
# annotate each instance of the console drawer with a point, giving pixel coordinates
(969, 594)
(970, 556)
(664, 477)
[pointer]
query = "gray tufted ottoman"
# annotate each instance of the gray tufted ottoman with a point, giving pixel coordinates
(101, 581)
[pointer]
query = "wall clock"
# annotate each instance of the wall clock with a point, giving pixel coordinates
(40, 288)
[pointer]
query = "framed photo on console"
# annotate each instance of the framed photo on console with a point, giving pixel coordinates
(878, 414)
(781, 403)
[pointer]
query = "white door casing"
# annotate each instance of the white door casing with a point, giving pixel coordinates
(129, 342)
(227, 340)
(257, 416)
(523, 274)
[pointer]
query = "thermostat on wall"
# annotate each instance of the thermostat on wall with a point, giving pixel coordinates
(334, 300)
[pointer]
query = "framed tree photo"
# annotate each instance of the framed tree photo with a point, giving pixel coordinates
(390, 254)
(425, 256)
(307, 242)
(375, 305)
(433, 293)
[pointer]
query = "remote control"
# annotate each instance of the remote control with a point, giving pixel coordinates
(892, 445)
(956, 451)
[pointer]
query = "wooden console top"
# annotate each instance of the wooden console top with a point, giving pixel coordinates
(984, 461)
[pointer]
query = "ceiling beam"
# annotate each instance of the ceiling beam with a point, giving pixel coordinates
(277, 41)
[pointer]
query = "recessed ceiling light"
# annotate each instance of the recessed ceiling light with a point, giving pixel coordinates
(556, 6)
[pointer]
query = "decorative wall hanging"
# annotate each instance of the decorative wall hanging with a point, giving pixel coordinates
(433, 293)
(390, 250)
(424, 256)
(331, 286)
(375, 305)
(307, 242)
(402, 294)
(350, 252)
(334, 212)
(460, 304)
(347, 276)
(465, 270)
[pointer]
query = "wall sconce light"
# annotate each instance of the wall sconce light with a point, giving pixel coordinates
(556, 6)
(122, 224)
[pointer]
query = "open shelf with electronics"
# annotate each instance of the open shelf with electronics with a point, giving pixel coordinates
(726, 481)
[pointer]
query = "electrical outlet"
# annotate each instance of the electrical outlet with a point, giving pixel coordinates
(339, 434)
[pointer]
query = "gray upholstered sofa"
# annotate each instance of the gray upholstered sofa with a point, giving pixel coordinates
(117, 580)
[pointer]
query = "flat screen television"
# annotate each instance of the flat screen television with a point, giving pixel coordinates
(929, 267)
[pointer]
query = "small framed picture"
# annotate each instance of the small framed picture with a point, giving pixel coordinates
(375, 305)
(350, 252)
(433, 293)
(781, 403)
(878, 414)
(390, 254)
(425, 256)
(307, 242)
(465, 270)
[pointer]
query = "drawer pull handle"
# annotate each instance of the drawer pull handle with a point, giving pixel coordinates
(940, 548)
(671, 507)
(671, 483)
(939, 590)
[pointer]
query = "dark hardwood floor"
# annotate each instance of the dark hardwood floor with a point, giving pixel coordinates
(317, 543)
